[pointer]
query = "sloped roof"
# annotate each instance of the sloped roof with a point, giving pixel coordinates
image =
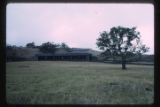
(77, 51)
(72, 51)
(80, 49)
(44, 54)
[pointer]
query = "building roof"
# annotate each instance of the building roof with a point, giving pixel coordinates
(71, 54)
(72, 51)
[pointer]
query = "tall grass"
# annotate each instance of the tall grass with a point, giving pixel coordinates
(58, 82)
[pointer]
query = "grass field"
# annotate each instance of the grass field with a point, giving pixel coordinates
(58, 82)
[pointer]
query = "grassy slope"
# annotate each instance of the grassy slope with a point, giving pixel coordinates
(78, 83)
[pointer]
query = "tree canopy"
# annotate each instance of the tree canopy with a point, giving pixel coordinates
(30, 45)
(121, 41)
(64, 46)
(48, 47)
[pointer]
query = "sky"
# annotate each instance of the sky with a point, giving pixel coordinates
(76, 24)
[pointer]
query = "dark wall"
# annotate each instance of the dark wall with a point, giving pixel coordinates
(66, 58)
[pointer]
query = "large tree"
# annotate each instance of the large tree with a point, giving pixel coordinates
(121, 41)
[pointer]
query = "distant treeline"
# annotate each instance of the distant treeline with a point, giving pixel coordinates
(20, 53)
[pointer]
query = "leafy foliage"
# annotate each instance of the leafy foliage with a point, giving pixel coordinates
(30, 45)
(64, 46)
(48, 47)
(11, 51)
(121, 41)
(15, 53)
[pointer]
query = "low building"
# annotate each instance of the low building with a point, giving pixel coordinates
(74, 54)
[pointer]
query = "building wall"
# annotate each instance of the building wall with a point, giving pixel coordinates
(66, 58)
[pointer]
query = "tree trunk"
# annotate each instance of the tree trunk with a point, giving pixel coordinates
(123, 62)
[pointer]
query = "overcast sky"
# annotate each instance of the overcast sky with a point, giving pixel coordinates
(76, 24)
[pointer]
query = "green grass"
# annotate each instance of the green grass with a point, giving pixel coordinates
(58, 82)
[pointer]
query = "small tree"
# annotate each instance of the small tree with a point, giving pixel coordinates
(48, 47)
(64, 46)
(30, 45)
(121, 41)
